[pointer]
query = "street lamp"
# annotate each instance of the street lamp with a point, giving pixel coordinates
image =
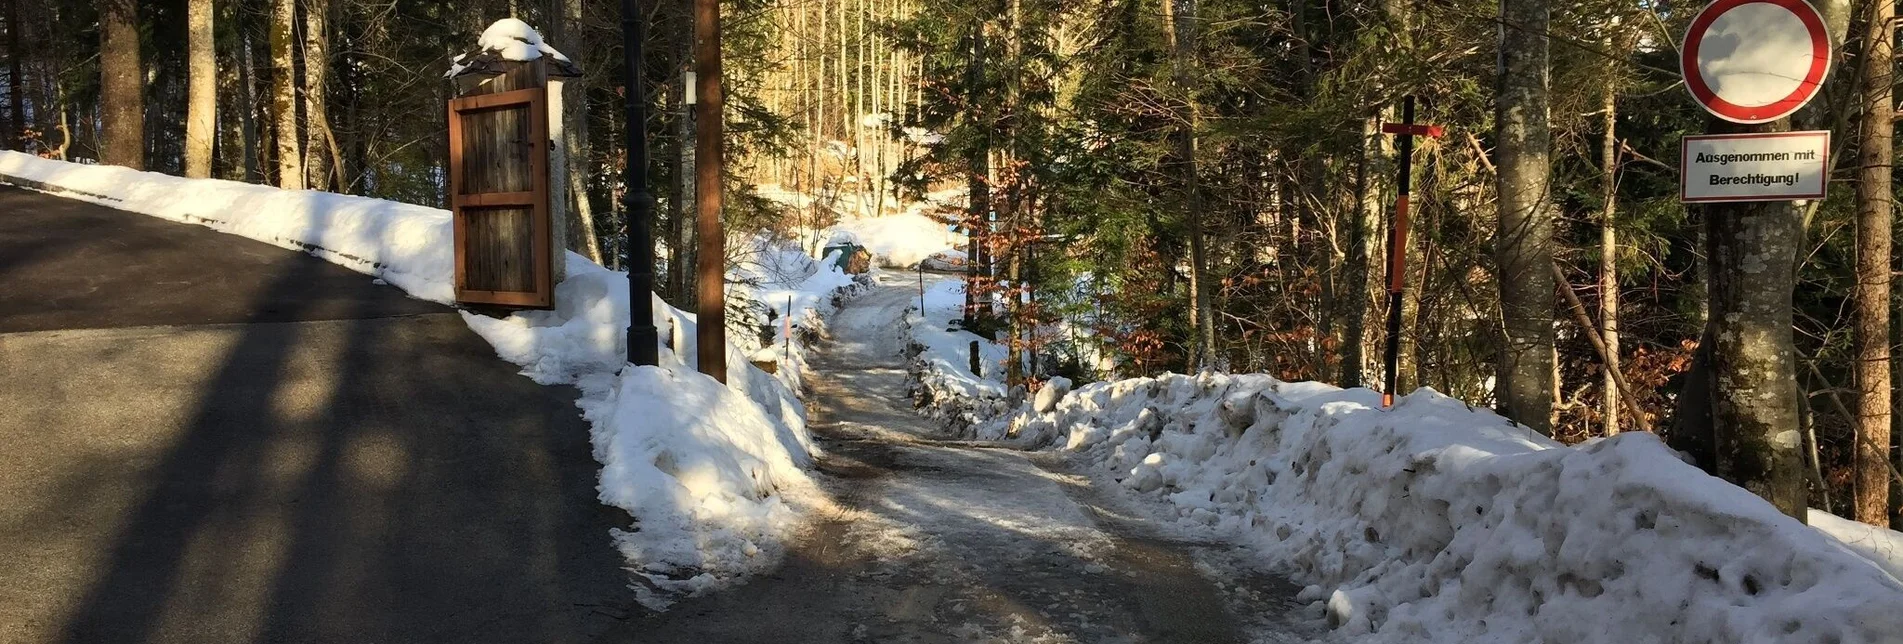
(636, 202)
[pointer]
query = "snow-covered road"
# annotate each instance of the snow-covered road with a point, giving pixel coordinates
(942, 541)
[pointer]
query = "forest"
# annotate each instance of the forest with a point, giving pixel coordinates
(1151, 185)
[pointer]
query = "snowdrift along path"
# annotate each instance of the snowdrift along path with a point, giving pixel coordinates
(942, 541)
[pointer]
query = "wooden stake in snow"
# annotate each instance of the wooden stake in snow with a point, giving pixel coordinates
(1397, 241)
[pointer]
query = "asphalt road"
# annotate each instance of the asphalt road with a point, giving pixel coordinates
(210, 439)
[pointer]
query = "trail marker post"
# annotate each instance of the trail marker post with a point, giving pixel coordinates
(1406, 130)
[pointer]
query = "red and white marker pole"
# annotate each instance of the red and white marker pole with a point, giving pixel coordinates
(1397, 240)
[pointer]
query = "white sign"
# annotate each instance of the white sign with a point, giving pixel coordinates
(1775, 166)
(1755, 61)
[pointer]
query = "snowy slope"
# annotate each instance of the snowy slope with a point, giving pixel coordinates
(1439, 522)
(714, 477)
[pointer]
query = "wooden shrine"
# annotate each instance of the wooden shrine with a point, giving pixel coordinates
(506, 179)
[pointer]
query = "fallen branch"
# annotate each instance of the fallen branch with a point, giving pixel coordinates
(1599, 346)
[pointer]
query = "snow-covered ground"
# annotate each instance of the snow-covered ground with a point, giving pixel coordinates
(1439, 522)
(900, 235)
(942, 382)
(715, 477)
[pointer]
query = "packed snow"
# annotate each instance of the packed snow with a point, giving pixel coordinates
(715, 477)
(1435, 521)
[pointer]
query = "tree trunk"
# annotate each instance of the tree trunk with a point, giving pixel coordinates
(1875, 207)
(16, 96)
(575, 118)
(121, 85)
(979, 193)
(1609, 259)
(201, 123)
(681, 270)
(319, 150)
(1179, 17)
(253, 165)
(1753, 250)
(284, 95)
(1523, 246)
(709, 151)
(1362, 233)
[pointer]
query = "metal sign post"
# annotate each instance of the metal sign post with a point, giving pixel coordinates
(1406, 130)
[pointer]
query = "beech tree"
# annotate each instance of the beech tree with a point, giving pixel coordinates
(1523, 248)
(121, 85)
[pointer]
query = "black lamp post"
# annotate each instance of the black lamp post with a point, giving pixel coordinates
(636, 202)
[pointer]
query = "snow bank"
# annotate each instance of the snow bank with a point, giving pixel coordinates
(900, 235)
(791, 295)
(1439, 522)
(899, 241)
(713, 476)
(941, 381)
(405, 245)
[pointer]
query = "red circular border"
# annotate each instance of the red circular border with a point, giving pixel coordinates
(1807, 89)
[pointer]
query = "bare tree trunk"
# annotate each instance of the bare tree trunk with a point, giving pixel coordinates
(978, 165)
(1523, 246)
(1609, 259)
(1875, 208)
(1753, 250)
(201, 123)
(1362, 233)
(284, 95)
(1179, 17)
(681, 270)
(575, 119)
(15, 89)
(247, 114)
(319, 150)
(121, 85)
(709, 151)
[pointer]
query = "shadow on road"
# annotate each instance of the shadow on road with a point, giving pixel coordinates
(346, 475)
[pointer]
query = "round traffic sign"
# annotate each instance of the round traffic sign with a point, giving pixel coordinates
(1752, 61)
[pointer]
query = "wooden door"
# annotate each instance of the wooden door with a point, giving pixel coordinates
(498, 190)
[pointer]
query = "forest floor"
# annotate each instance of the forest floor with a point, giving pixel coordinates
(935, 540)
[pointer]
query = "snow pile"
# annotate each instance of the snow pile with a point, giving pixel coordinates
(941, 380)
(790, 296)
(409, 246)
(901, 240)
(516, 40)
(898, 234)
(1883, 546)
(714, 476)
(1439, 522)
(509, 39)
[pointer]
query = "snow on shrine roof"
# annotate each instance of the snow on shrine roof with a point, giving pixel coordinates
(509, 39)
